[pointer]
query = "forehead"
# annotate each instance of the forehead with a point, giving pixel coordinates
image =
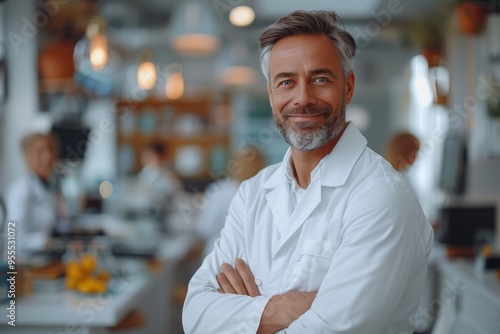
(308, 52)
(42, 143)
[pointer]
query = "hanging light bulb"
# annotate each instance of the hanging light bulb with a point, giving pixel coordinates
(94, 47)
(98, 43)
(146, 73)
(98, 52)
(174, 83)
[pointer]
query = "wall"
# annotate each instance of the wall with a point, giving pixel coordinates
(381, 82)
(471, 71)
(21, 106)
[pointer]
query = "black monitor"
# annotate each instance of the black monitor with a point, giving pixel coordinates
(463, 225)
(72, 139)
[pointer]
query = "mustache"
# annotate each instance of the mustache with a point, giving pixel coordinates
(302, 111)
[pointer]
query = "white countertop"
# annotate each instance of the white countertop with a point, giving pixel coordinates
(71, 309)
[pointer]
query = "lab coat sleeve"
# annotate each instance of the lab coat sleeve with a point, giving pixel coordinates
(205, 309)
(381, 255)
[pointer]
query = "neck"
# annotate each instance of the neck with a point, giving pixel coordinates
(304, 162)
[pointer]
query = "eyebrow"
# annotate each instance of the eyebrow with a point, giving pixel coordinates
(282, 75)
(324, 71)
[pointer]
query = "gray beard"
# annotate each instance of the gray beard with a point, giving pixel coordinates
(313, 139)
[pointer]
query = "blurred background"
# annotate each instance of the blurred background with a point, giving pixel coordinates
(183, 73)
(113, 78)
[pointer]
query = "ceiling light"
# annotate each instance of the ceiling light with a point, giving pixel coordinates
(174, 82)
(94, 46)
(194, 29)
(242, 16)
(238, 76)
(233, 64)
(146, 72)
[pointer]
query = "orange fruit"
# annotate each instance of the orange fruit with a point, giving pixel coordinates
(71, 283)
(88, 263)
(104, 276)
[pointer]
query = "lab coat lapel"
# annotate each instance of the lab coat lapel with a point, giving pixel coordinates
(305, 207)
(279, 202)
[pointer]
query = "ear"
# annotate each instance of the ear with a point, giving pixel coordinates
(349, 87)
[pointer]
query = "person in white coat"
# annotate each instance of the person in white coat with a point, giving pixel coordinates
(155, 173)
(331, 240)
(32, 201)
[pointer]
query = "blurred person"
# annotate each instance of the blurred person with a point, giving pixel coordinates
(156, 172)
(34, 201)
(402, 150)
(246, 163)
(330, 240)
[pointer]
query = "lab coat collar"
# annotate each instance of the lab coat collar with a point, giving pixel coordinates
(340, 162)
(336, 166)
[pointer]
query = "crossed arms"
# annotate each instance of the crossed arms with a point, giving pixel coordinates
(280, 311)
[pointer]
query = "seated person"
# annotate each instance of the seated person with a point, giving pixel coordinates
(34, 201)
(155, 172)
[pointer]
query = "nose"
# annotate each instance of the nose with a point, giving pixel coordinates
(304, 95)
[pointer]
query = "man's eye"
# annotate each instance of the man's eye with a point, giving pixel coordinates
(285, 82)
(320, 79)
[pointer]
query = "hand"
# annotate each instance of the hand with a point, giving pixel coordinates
(239, 281)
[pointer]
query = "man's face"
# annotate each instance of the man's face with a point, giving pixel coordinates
(41, 156)
(308, 91)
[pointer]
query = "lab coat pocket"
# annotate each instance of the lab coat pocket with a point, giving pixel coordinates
(311, 263)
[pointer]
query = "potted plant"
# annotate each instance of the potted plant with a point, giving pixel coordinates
(429, 36)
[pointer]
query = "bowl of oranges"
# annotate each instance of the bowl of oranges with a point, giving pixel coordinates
(84, 273)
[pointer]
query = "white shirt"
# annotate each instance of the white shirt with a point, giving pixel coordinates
(358, 237)
(33, 207)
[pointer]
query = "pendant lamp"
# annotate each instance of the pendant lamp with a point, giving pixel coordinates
(93, 47)
(194, 29)
(146, 72)
(233, 65)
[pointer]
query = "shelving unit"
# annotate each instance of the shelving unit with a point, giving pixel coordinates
(194, 132)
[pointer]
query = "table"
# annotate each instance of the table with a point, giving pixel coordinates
(69, 312)
(469, 299)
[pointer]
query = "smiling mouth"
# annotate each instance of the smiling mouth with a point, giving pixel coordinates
(304, 116)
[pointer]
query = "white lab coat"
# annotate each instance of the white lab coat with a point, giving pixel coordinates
(358, 237)
(34, 209)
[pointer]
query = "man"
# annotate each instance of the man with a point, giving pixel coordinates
(331, 240)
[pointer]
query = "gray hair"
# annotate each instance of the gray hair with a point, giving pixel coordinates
(308, 23)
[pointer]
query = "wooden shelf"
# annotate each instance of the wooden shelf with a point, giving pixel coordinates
(52, 86)
(164, 124)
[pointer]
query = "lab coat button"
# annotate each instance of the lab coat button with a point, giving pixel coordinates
(283, 251)
(297, 256)
(258, 280)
